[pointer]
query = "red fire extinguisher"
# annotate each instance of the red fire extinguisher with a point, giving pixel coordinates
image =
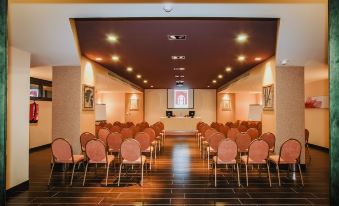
(33, 112)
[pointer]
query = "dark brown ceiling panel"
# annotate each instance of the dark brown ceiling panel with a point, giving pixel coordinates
(210, 47)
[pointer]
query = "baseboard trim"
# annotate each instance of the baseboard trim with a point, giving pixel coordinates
(319, 147)
(20, 187)
(34, 149)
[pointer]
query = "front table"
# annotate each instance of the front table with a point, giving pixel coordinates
(180, 124)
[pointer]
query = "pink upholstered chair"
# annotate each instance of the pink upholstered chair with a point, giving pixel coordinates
(253, 133)
(257, 154)
(127, 133)
(103, 133)
(84, 138)
(62, 152)
(226, 155)
(243, 141)
(158, 135)
(242, 128)
(232, 133)
(145, 145)
(154, 142)
(97, 154)
(290, 152)
(115, 128)
(270, 139)
(205, 139)
(114, 141)
(212, 147)
(131, 155)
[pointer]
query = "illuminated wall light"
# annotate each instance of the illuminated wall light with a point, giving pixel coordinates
(129, 69)
(214, 81)
(228, 69)
(242, 38)
(220, 76)
(241, 58)
(139, 76)
(88, 74)
(145, 81)
(257, 59)
(115, 58)
(112, 38)
(98, 59)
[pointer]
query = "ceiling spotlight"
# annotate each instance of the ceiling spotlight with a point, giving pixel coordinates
(115, 58)
(228, 69)
(145, 81)
(152, 86)
(257, 59)
(182, 76)
(179, 69)
(178, 57)
(139, 76)
(208, 86)
(220, 76)
(214, 81)
(112, 38)
(241, 38)
(241, 58)
(177, 37)
(98, 59)
(129, 69)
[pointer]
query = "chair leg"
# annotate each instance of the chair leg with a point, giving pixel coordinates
(246, 175)
(107, 173)
(142, 173)
(269, 174)
(50, 176)
(208, 159)
(72, 174)
(150, 162)
(301, 175)
(155, 151)
(278, 171)
(238, 175)
(215, 174)
(119, 174)
(83, 183)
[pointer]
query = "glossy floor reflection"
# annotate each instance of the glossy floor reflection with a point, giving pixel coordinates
(178, 177)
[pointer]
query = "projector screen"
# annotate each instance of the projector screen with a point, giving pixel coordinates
(180, 99)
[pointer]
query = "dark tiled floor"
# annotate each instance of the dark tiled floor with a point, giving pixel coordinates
(179, 177)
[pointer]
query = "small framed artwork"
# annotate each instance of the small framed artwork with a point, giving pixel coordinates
(88, 97)
(133, 105)
(317, 102)
(268, 97)
(226, 105)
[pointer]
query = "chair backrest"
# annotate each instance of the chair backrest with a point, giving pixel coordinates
(115, 128)
(130, 149)
(150, 131)
(84, 138)
(103, 133)
(215, 139)
(209, 132)
(253, 133)
(227, 150)
(62, 150)
(290, 151)
(258, 150)
(270, 139)
(144, 140)
(127, 133)
(243, 141)
(114, 141)
(232, 133)
(307, 135)
(223, 129)
(242, 128)
(96, 150)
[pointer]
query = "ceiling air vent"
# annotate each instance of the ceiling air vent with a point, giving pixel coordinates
(177, 37)
(178, 57)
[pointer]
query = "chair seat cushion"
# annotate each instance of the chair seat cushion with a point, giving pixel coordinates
(110, 158)
(219, 161)
(210, 149)
(138, 161)
(242, 150)
(251, 161)
(275, 159)
(76, 158)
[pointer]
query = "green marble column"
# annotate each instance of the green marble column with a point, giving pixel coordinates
(333, 20)
(3, 97)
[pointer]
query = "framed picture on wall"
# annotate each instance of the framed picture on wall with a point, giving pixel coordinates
(88, 100)
(226, 105)
(268, 97)
(133, 105)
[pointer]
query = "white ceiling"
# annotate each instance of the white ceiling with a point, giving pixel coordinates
(44, 29)
(44, 72)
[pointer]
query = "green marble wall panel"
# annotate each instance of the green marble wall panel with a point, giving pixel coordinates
(3, 97)
(333, 21)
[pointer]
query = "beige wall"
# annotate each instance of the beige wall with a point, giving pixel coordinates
(40, 133)
(115, 106)
(156, 105)
(242, 102)
(134, 115)
(17, 165)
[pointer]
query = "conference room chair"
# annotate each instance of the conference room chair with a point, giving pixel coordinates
(242, 128)
(115, 128)
(212, 147)
(270, 139)
(146, 147)
(289, 154)
(204, 139)
(307, 147)
(103, 133)
(96, 153)
(150, 131)
(84, 138)
(131, 154)
(130, 124)
(113, 143)
(127, 132)
(62, 153)
(202, 134)
(232, 133)
(243, 141)
(158, 136)
(253, 133)
(257, 155)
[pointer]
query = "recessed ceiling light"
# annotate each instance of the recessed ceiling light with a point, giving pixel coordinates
(112, 38)
(115, 58)
(182, 76)
(145, 81)
(152, 86)
(98, 59)
(178, 57)
(214, 81)
(228, 69)
(208, 86)
(139, 76)
(257, 59)
(241, 38)
(220, 76)
(176, 76)
(241, 58)
(179, 69)
(177, 37)
(129, 69)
